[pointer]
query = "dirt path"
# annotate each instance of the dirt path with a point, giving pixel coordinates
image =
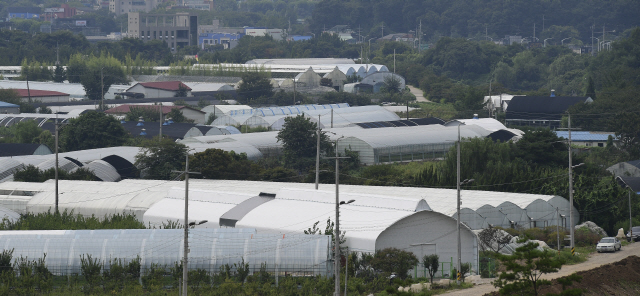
(596, 260)
(418, 93)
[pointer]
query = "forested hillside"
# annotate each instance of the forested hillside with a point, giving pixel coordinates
(469, 18)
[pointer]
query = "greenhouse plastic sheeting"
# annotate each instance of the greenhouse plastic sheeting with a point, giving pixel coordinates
(210, 248)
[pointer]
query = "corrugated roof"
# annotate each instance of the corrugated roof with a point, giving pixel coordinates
(585, 136)
(8, 105)
(16, 149)
(38, 93)
(122, 109)
(541, 108)
(166, 85)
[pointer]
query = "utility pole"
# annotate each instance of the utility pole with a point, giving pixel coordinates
(558, 228)
(630, 221)
(318, 154)
(419, 35)
(56, 171)
(346, 272)
(185, 258)
(382, 29)
(592, 53)
(458, 205)
(294, 91)
(407, 108)
(534, 32)
(570, 185)
(57, 54)
(331, 117)
(102, 88)
(28, 90)
(160, 135)
(394, 61)
(543, 23)
(336, 234)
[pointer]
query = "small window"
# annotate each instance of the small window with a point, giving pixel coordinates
(600, 144)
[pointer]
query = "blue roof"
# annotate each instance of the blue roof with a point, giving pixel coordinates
(582, 136)
(8, 105)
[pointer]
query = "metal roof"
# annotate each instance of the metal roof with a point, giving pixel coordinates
(585, 136)
(8, 105)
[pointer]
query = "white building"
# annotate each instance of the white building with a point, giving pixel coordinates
(160, 89)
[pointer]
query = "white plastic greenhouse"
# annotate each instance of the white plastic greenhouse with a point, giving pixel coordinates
(414, 218)
(210, 248)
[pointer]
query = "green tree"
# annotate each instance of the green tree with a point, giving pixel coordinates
(176, 115)
(182, 91)
(92, 130)
(96, 74)
(220, 164)
(255, 85)
(431, 263)
(524, 269)
(59, 74)
(157, 160)
(391, 84)
(591, 88)
(22, 132)
(299, 141)
(392, 260)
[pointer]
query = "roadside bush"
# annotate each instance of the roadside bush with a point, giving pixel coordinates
(584, 237)
(392, 260)
(536, 234)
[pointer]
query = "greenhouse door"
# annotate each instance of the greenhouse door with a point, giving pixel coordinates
(421, 250)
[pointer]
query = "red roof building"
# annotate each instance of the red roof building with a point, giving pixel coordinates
(161, 89)
(44, 96)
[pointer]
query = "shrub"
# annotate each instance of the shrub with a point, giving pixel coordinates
(584, 237)
(392, 260)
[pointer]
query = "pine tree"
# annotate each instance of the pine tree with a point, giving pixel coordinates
(59, 74)
(591, 88)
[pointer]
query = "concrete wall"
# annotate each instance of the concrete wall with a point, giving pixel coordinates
(427, 232)
(195, 115)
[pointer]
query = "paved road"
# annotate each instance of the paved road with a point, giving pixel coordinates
(418, 93)
(595, 260)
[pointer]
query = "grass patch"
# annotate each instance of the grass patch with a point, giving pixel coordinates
(430, 109)
(582, 254)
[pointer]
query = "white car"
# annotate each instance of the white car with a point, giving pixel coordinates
(608, 244)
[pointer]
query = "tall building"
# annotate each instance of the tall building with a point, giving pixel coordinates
(123, 6)
(176, 30)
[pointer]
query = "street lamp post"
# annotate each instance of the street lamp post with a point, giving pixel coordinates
(630, 219)
(185, 273)
(545, 42)
(336, 233)
(562, 41)
(458, 184)
(592, 43)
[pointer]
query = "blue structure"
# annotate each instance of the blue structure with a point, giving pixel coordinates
(8, 108)
(299, 38)
(24, 12)
(228, 40)
(587, 138)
